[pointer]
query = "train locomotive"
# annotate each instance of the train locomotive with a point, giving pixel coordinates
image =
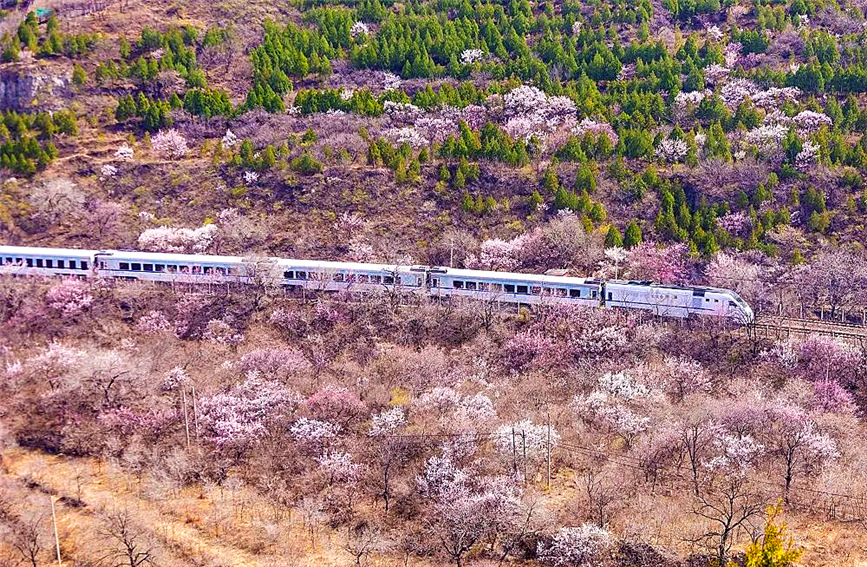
(439, 282)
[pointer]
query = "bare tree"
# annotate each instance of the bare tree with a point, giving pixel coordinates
(835, 278)
(131, 547)
(602, 492)
(730, 509)
(264, 276)
(27, 537)
(362, 539)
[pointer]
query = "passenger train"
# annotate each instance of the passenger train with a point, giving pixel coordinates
(442, 282)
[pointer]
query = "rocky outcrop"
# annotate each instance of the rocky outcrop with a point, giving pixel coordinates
(22, 89)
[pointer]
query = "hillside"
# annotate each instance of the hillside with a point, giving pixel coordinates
(693, 142)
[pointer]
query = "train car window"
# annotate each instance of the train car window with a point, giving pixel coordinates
(457, 284)
(39, 262)
(29, 262)
(435, 282)
(363, 278)
(535, 290)
(707, 300)
(509, 288)
(574, 293)
(337, 277)
(220, 271)
(522, 289)
(375, 279)
(84, 264)
(124, 265)
(288, 275)
(471, 285)
(593, 294)
(135, 267)
(61, 264)
(484, 286)
(72, 264)
(159, 268)
(388, 279)
(496, 287)
(148, 267)
(49, 263)
(609, 296)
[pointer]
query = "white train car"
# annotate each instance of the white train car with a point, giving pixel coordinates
(676, 301)
(352, 276)
(530, 289)
(26, 260)
(505, 287)
(161, 267)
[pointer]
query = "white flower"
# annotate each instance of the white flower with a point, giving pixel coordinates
(716, 73)
(229, 139)
(714, 33)
(671, 151)
(108, 171)
(808, 121)
(359, 28)
(124, 153)
(250, 177)
(387, 422)
(807, 157)
(469, 56)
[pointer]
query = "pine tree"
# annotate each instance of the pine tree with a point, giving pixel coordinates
(633, 235)
(613, 238)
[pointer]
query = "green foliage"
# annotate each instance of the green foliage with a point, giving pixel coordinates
(79, 75)
(285, 52)
(632, 236)
(612, 237)
(361, 102)
(775, 548)
(154, 113)
(306, 164)
(207, 103)
(26, 139)
(491, 142)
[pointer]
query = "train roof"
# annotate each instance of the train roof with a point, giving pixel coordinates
(42, 251)
(516, 276)
(172, 257)
(345, 266)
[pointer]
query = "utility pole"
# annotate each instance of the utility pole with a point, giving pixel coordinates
(514, 455)
(548, 450)
(186, 419)
(56, 536)
(195, 412)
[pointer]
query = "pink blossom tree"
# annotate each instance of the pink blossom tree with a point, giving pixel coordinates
(335, 404)
(794, 438)
(170, 144)
(666, 264)
(70, 298)
(237, 419)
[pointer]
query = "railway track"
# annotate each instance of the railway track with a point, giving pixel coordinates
(785, 327)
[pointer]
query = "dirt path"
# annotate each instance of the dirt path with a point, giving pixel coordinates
(58, 475)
